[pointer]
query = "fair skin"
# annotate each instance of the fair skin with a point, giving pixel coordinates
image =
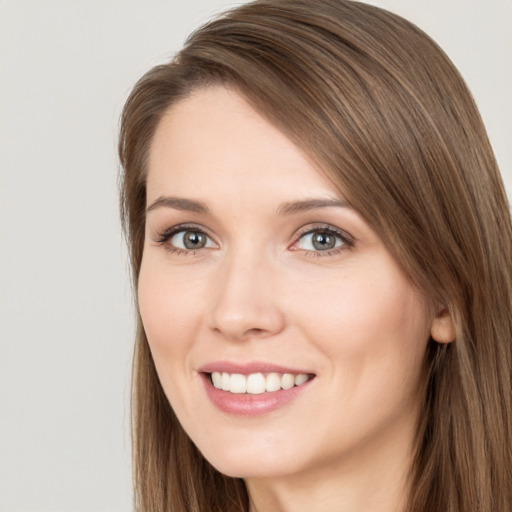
(254, 264)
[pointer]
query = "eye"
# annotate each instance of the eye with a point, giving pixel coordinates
(191, 240)
(323, 239)
(183, 239)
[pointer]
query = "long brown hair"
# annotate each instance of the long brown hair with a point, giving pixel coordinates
(380, 108)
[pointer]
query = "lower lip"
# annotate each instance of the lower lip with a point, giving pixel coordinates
(246, 404)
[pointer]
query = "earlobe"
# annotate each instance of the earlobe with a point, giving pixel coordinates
(443, 327)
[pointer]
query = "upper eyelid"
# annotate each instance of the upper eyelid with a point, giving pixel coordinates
(168, 233)
(325, 227)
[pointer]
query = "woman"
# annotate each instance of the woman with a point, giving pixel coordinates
(320, 245)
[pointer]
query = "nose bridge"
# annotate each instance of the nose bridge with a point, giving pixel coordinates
(245, 305)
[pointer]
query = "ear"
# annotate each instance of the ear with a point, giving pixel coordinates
(443, 328)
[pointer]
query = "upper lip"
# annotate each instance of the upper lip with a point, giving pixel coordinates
(248, 368)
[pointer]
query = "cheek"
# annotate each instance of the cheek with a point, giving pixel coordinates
(168, 308)
(169, 311)
(373, 336)
(373, 323)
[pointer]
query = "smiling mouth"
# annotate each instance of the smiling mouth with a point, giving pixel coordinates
(257, 383)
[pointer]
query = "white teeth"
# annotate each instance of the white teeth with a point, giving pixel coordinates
(225, 381)
(256, 383)
(287, 381)
(300, 379)
(217, 380)
(273, 382)
(238, 383)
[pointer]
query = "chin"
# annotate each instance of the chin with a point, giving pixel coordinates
(243, 460)
(255, 468)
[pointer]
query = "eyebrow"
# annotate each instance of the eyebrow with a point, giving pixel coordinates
(289, 208)
(294, 207)
(178, 203)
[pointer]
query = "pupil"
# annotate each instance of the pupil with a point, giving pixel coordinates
(194, 240)
(323, 241)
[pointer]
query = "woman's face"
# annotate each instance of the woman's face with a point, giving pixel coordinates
(258, 275)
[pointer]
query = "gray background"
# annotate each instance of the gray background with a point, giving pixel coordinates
(66, 317)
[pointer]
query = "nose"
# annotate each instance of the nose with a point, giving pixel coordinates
(246, 300)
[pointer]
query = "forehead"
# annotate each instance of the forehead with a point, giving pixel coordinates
(215, 138)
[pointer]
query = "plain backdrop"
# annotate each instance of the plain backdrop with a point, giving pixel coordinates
(66, 323)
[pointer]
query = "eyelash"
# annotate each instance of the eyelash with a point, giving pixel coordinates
(164, 237)
(346, 239)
